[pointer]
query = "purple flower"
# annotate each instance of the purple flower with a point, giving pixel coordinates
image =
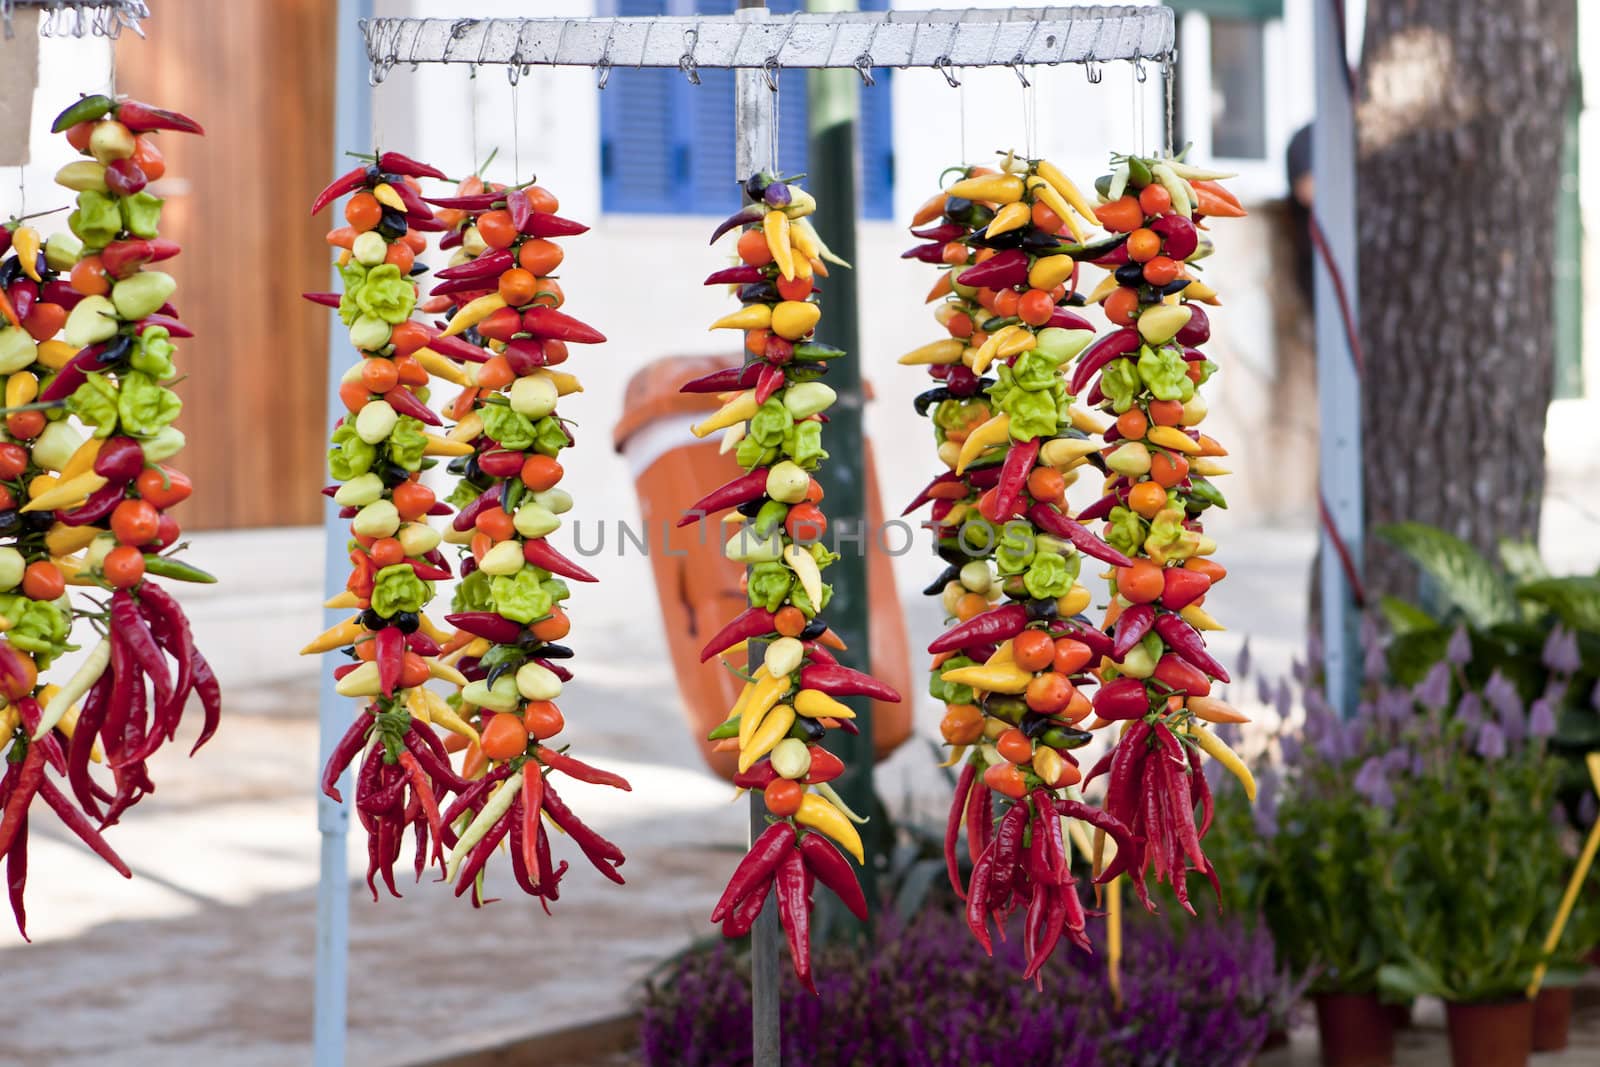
(1266, 807)
(1434, 689)
(1284, 700)
(1290, 747)
(1587, 808)
(1459, 650)
(1469, 710)
(1561, 651)
(1491, 742)
(1542, 719)
(1314, 647)
(1502, 696)
(1264, 690)
(1374, 663)
(1242, 661)
(1394, 706)
(1373, 784)
(1594, 695)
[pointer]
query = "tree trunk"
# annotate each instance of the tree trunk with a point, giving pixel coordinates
(1459, 128)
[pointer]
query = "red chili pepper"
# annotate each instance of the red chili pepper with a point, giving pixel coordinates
(423, 789)
(465, 289)
(927, 492)
(17, 877)
(1007, 852)
(759, 776)
(839, 681)
(600, 853)
(141, 643)
(72, 373)
(1182, 587)
(478, 858)
(583, 772)
(1014, 473)
(1098, 642)
(100, 504)
(769, 381)
(75, 821)
(142, 118)
(489, 265)
(405, 402)
(1100, 352)
(1122, 698)
(540, 553)
(1066, 319)
(467, 516)
(327, 300)
(926, 253)
(1100, 508)
(30, 774)
(740, 275)
(742, 917)
(345, 183)
(731, 494)
(430, 574)
(1132, 626)
(794, 913)
(455, 348)
(1202, 789)
(1052, 855)
(21, 295)
(757, 867)
(389, 652)
(978, 899)
(825, 766)
(723, 380)
(90, 717)
(980, 819)
(1001, 271)
(544, 322)
(989, 627)
(943, 233)
(952, 826)
(1185, 640)
(1181, 676)
(751, 622)
(395, 163)
(834, 871)
(210, 694)
(120, 459)
(1051, 521)
(544, 225)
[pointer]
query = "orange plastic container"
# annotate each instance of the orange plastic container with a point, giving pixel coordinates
(697, 586)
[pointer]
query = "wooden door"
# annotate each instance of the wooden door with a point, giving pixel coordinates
(258, 75)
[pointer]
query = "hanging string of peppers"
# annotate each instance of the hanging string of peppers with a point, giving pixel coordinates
(1011, 674)
(772, 415)
(380, 448)
(1146, 373)
(502, 299)
(92, 512)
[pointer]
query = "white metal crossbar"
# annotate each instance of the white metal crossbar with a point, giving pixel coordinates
(1014, 37)
(80, 18)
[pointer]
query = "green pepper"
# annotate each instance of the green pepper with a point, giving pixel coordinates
(152, 353)
(802, 443)
(397, 588)
(768, 424)
(1125, 530)
(140, 214)
(177, 570)
(1206, 493)
(511, 429)
(1164, 373)
(406, 442)
(1016, 548)
(350, 456)
(354, 276)
(95, 404)
(769, 518)
(549, 436)
(387, 294)
(768, 585)
(84, 109)
(1049, 576)
(750, 453)
(520, 597)
(144, 405)
(473, 594)
(1120, 382)
(38, 627)
(950, 692)
(97, 220)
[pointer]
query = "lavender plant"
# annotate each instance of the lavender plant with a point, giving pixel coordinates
(924, 995)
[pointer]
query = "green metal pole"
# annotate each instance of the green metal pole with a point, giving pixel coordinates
(831, 176)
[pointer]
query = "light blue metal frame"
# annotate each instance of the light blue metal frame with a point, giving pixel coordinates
(1333, 153)
(352, 130)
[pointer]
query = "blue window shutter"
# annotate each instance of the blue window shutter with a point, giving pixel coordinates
(642, 153)
(875, 135)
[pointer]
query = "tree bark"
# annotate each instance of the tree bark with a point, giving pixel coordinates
(1459, 125)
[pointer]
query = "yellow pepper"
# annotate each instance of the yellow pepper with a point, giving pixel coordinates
(763, 698)
(991, 434)
(989, 188)
(474, 312)
(1045, 193)
(345, 633)
(806, 570)
(774, 728)
(814, 704)
(1008, 218)
(66, 493)
(1217, 749)
(942, 352)
(753, 317)
(775, 227)
(819, 815)
(737, 410)
(1000, 678)
(1172, 439)
(1069, 192)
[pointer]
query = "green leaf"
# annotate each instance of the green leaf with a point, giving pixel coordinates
(1575, 601)
(1522, 561)
(1463, 577)
(915, 887)
(1405, 618)
(1407, 982)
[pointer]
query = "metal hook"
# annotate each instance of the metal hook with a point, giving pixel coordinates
(1092, 70)
(945, 67)
(773, 64)
(514, 74)
(686, 62)
(604, 66)
(863, 62)
(1139, 73)
(1016, 68)
(483, 45)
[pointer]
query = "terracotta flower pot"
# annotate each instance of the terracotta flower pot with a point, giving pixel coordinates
(1400, 1014)
(1496, 1033)
(1354, 1030)
(1552, 1014)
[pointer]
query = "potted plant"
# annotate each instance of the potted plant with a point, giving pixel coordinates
(1326, 899)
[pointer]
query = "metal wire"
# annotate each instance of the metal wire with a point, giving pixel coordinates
(1015, 37)
(80, 18)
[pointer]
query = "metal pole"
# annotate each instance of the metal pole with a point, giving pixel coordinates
(1338, 383)
(352, 128)
(833, 102)
(753, 130)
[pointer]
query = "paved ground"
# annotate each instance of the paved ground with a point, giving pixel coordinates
(207, 954)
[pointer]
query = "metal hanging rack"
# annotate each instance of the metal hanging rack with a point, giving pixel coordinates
(79, 18)
(757, 46)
